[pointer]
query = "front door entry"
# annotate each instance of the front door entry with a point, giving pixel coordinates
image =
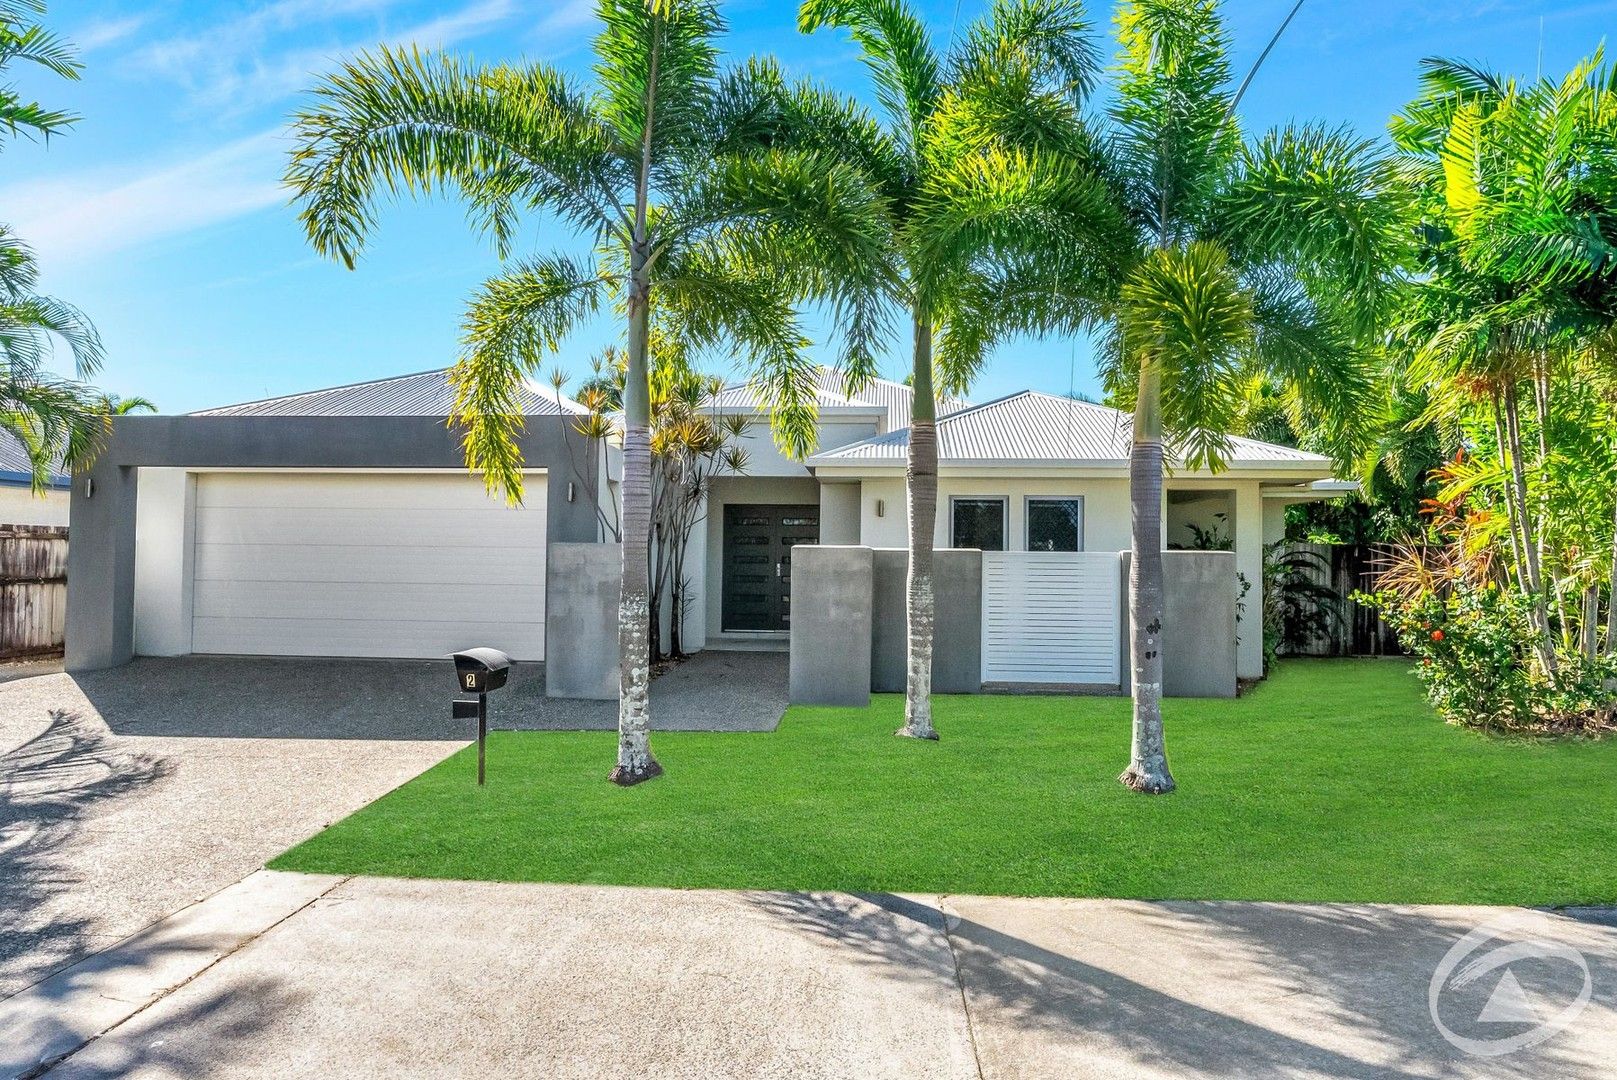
(758, 543)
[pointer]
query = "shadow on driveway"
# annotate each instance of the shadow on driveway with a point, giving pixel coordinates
(51, 788)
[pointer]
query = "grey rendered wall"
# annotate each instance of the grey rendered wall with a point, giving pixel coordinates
(1199, 624)
(957, 649)
(581, 620)
(831, 625)
(101, 559)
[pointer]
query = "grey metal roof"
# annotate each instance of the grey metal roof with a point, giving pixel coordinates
(14, 466)
(426, 393)
(892, 397)
(1034, 428)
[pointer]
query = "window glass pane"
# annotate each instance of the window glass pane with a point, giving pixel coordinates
(979, 523)
(1055, 524)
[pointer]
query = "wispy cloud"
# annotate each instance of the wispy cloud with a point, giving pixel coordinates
(568, 16)
(104, 32)
(265, 55)
(73, 219)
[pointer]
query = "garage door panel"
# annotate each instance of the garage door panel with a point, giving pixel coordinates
(377, 638)
(343, 491)
(325, 562)
(365, 565)
(413, 602)
(422, 526)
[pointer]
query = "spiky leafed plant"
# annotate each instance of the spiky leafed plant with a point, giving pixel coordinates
(58, 421)
(691, 218)
(1245, 256)
(984, 161)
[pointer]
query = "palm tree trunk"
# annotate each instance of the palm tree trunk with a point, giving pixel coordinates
(1611, 598)
(922, 482)
(635, 762)
(1535, 582)
(1148, 754)
(1513, 520)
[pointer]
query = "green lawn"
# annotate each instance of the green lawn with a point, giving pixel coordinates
(1332, 781)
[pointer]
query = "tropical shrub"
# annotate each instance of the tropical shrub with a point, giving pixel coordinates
(1298, 610)
(1473, 648)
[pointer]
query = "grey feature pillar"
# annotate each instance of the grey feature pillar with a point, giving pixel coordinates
(1199, 625)
(957, 639)
(101, 568)
(831, 625)
(581, 620)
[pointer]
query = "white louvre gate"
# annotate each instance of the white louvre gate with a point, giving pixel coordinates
(1052, 617)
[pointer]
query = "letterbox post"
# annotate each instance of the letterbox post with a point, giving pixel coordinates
(482, 733)
(477, 671)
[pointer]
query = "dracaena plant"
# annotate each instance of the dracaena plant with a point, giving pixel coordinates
(689, 218)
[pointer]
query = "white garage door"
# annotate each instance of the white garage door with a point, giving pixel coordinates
(411, 565)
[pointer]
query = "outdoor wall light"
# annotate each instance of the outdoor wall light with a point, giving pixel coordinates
(89, 487)
(881, 507)
(477, 671)
(569, 491)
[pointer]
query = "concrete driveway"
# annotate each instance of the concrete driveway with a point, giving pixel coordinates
(127, 794)
(300, 975)
(103, 832)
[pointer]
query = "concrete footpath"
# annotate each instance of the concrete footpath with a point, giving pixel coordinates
(297, 975)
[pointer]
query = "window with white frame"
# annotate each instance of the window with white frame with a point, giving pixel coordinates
(977, 521)
(1055, 523)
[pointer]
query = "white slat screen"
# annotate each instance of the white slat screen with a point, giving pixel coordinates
(1051, 617)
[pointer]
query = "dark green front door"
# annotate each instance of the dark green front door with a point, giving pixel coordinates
(758, 542)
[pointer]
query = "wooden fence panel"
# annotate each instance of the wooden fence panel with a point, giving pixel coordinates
(33, 589)
(1344, 569)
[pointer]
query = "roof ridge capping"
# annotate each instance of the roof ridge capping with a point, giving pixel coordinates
(974, 434)
(386, 397)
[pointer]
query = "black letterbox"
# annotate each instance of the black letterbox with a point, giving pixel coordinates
(477, 671)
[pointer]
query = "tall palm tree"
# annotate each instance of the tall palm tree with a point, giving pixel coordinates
(55, 419)
(1517, 203)
(1244, 257)
(693, 222)
(983, 159)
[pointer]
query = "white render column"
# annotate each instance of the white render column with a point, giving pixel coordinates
(1248, 533)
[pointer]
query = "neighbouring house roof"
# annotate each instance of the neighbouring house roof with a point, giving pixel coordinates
(882, 396)
(426, 393)
(1034, 429)
(15, 470)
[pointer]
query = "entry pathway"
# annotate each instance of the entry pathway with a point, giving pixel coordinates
(374, 976)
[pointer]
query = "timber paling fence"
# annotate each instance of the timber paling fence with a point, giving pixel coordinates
(1344, 568)
(33, 590)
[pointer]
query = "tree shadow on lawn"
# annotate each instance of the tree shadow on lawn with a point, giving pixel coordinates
(1363, 977)
(48, 789)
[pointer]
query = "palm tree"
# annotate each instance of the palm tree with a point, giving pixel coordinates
(1245, 257)
(695, 225)
(1514, 186)
(54, 419)
(983, 159)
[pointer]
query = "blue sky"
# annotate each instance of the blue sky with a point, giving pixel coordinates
(162, 216)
